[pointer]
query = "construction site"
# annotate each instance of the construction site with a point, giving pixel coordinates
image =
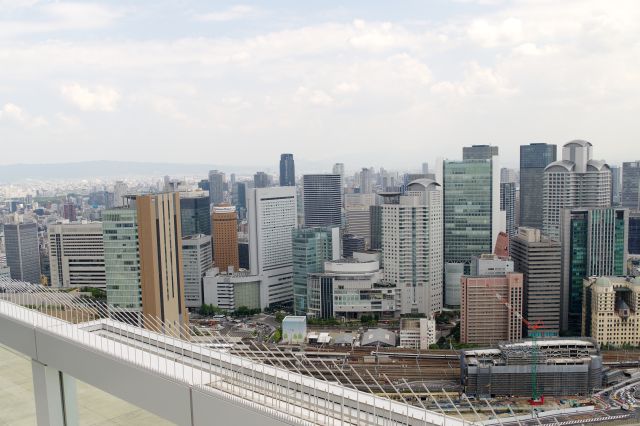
(549, 367)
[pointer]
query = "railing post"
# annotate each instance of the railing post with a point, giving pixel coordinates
(55, 396)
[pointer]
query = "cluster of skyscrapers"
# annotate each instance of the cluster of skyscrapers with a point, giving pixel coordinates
(508, 248)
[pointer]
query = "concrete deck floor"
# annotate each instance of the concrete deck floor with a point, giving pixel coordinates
(96, 408)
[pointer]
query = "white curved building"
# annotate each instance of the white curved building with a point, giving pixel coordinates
(575, 181)
(412, 246)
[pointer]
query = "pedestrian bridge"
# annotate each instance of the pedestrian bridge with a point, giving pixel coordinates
(185, 378)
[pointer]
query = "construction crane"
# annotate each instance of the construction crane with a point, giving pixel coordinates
(536, 397)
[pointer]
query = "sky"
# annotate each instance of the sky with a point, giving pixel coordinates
(367, 83)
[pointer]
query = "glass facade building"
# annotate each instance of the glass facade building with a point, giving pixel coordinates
(287, 170)
(594, 242)
(194, 215)
(631, 185)
(322, 196)
(375, 218)
(533, 160)
(508, 205)
(23, 252)
(634, 233)
(469, 206)
(311, 248)
(122, 259)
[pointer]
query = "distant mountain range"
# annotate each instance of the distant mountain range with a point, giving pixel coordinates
(88, 169)
(111, 169)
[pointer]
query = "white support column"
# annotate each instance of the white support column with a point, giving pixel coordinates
(55, 396)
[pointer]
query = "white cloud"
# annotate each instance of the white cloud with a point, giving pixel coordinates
(61, 16)
(97, 98)
(478, 80)
(313, 96)
(11, 5)
(562, 66)
(486, 34)
(13, 113)
(232, 14)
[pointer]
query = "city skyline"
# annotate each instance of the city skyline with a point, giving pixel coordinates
(363, 84)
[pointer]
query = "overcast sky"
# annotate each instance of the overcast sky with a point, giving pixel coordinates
(370, 83)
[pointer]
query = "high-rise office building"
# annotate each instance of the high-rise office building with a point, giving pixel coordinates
(479, 152)
(425, 168)
(631, 185)
(357, 215)
(69, 212)
(358, 222)
(216, 187)
(194, 212)
(240, 199)
(616, 186)
(225, 237)
(508, 175)
(261, 180)
(272, 218)
(634, 232)
(575, 181)
(352, 243)
(594, 242)
(287, 170)
(120, 190)
(122, 259)
(366, 181)
(508, 205)
(485, 317)
(338, 169)
(534, 158)
(375, 226)
(23, 252)
(311, 248)
(322, 196)
(538, 258)
(143, 259)
(196, 260)
(472, 215)
(412, 246)
(76, 255)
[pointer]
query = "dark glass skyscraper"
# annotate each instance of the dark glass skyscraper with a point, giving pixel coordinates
(375, 217)
(634, 233)
(322, 200)
(533, 160)
(240, 199)
(631, 185)
(23, 253)
(508, 204)
(594, 242)
(194, 214)
(287, 170)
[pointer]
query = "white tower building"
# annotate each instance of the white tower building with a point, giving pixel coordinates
(197, 258)
(412, 246)
(76, 255)
(272, 218)
(575, 181)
